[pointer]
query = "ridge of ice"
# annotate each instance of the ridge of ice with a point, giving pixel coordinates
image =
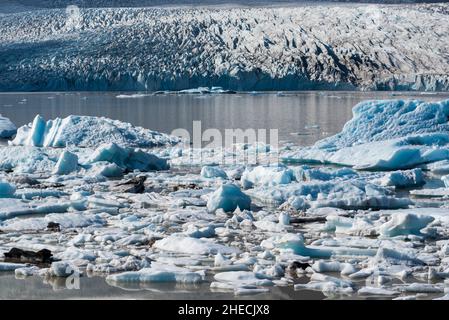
(87, 131)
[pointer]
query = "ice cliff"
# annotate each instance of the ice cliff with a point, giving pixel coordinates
(375, 47)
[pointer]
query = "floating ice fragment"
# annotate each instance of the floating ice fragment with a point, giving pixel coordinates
(158, 273)
(7, 190)
(295, 242)
(228, 197)
(243, 278)
(62, 269)
(128, 158)
(266, 176)
(7, 266)
(213, 172)
(403, 179)
(377, 291)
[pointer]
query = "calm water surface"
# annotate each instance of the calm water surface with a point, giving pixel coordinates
(301, 118)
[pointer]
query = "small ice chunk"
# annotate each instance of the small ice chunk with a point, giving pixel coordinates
(8, 266)
(228, 197)
(266, 176)
(242, 278)
(284, 218)
(404, 179)
(62, 269)
(213, 172)
(376, 291)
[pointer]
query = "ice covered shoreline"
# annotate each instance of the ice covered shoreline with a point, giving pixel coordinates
(142, 214)
(370, 47)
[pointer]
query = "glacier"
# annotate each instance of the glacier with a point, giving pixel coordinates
(367, 47)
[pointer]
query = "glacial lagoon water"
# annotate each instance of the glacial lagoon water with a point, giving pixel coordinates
(301, 118)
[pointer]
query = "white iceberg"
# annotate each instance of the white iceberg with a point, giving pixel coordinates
(87, 131)
(157, 273)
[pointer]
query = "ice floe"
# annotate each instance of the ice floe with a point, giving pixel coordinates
(228, 197)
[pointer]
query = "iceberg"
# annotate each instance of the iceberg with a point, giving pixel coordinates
(228, 197)
(385, 135)
(266, 176)
(87, 131)
(7, 128)
(242, 278)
